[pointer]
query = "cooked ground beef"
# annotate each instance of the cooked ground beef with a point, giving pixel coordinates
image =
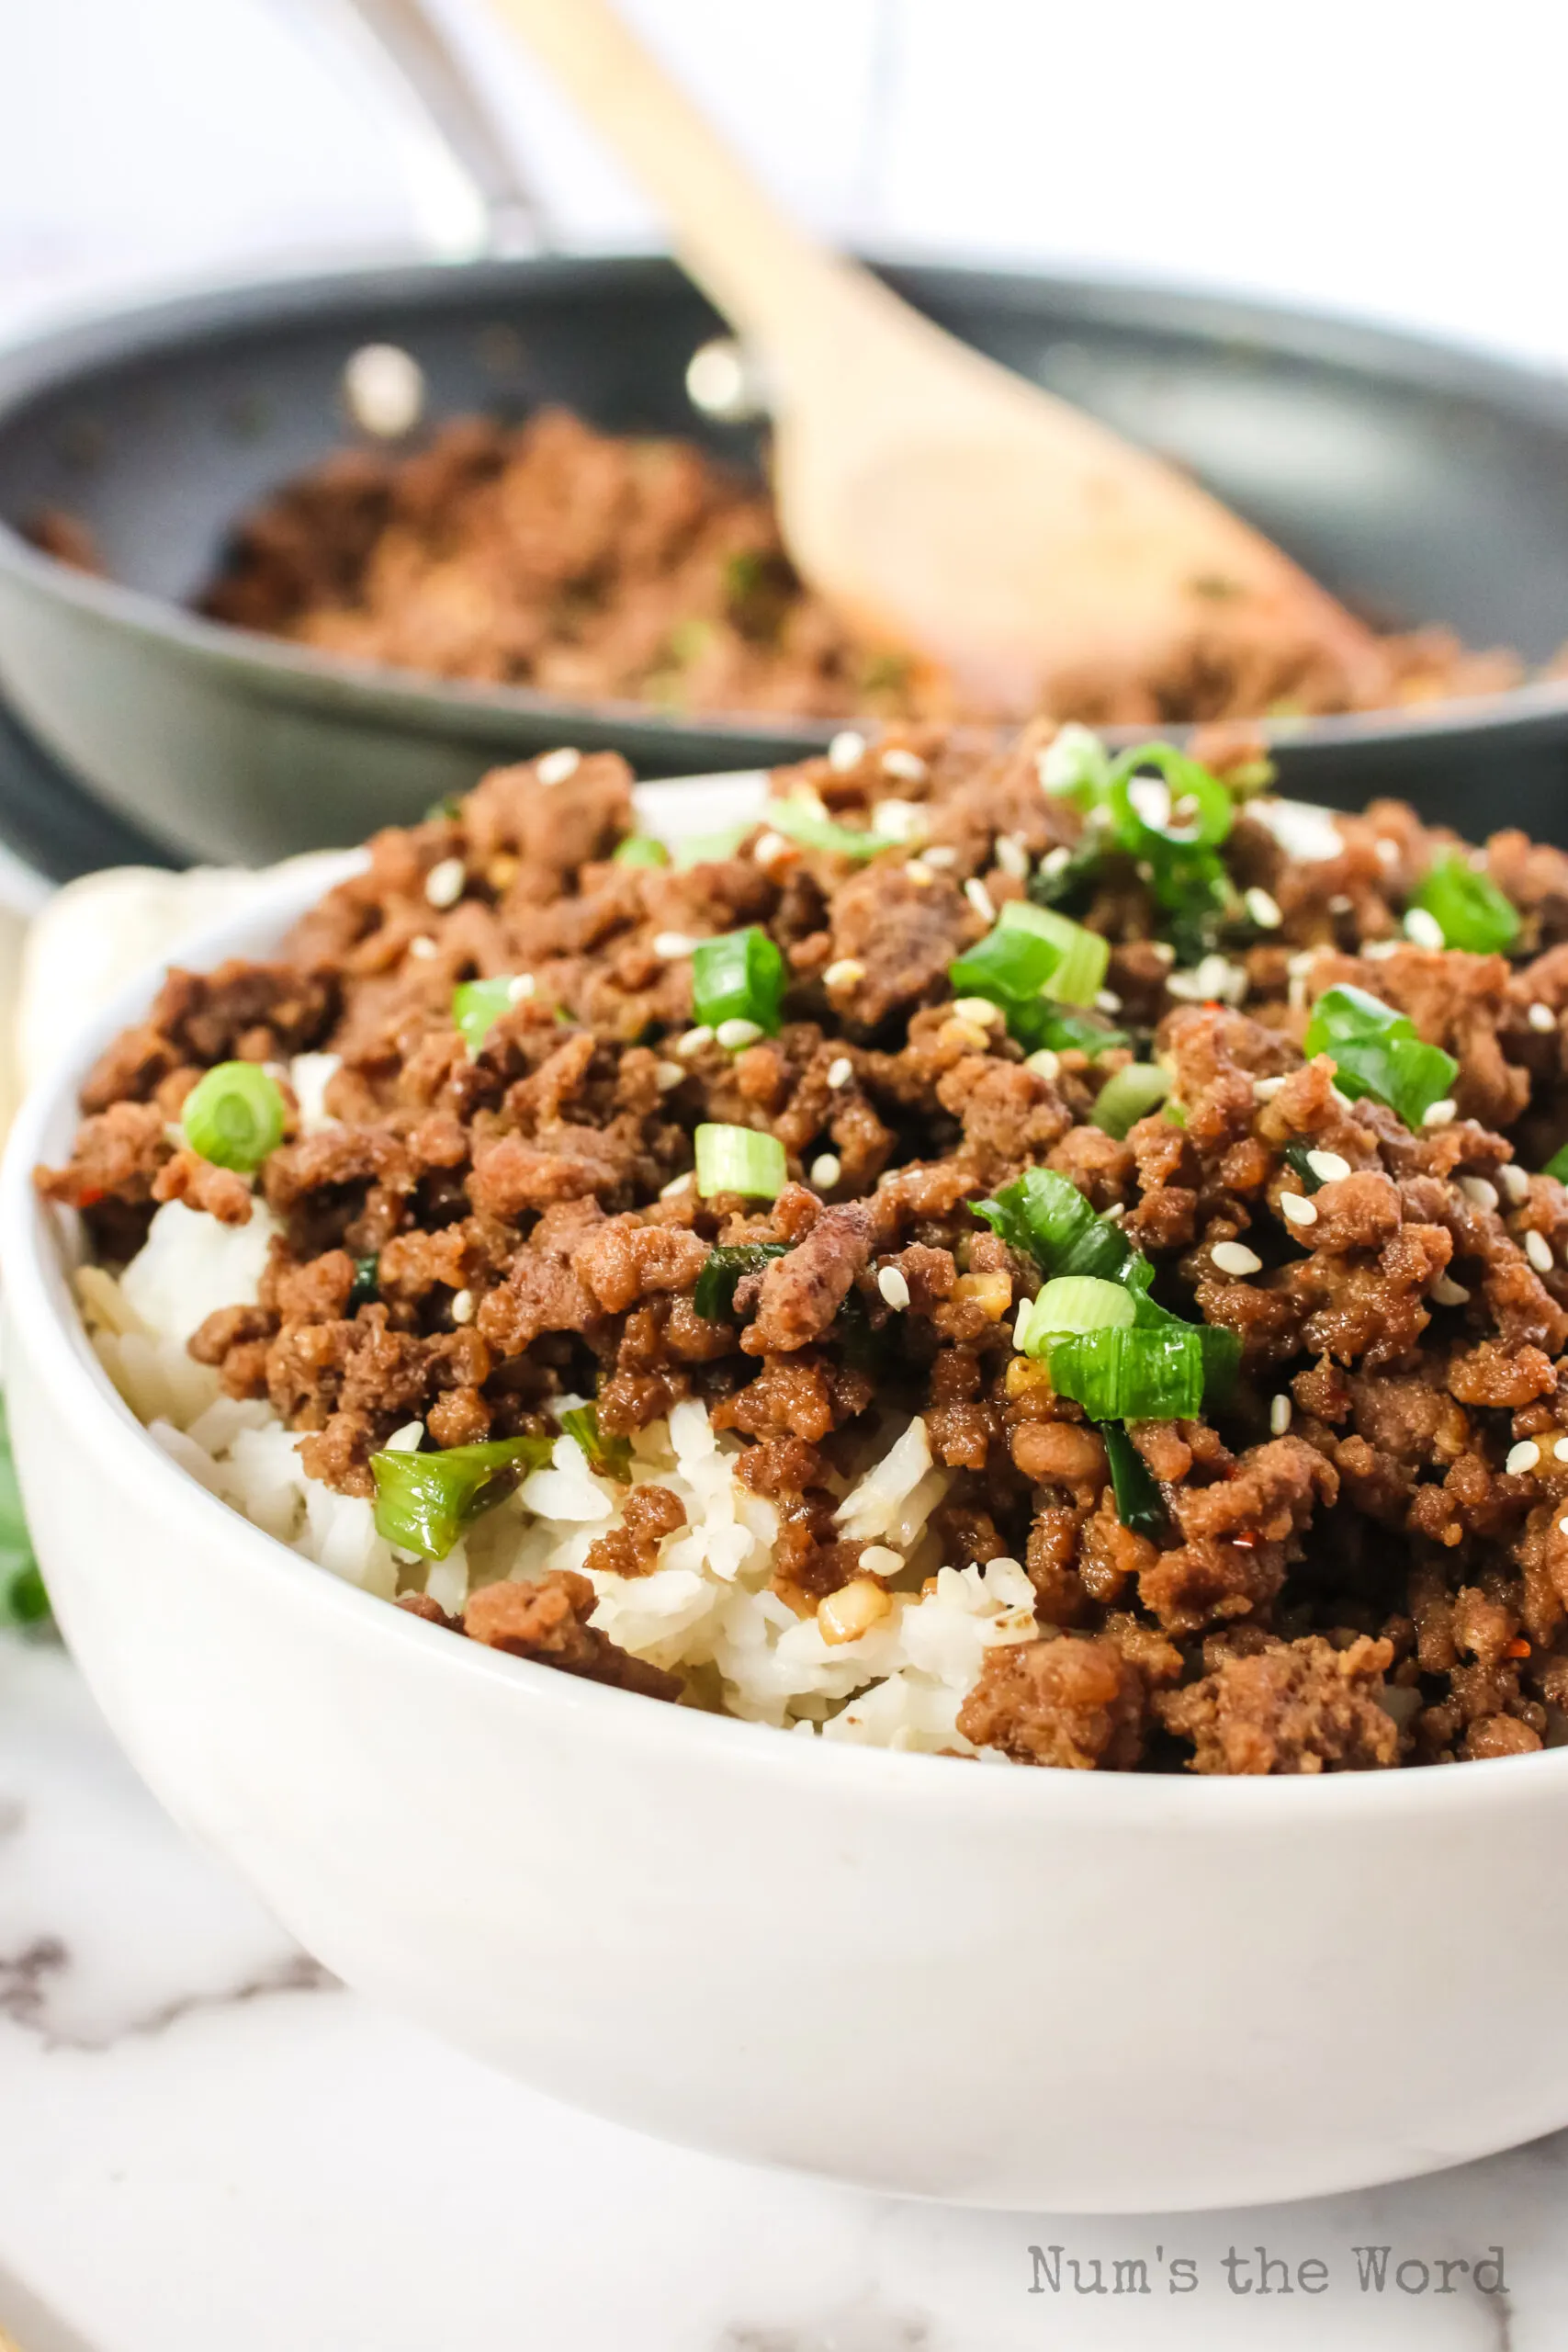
(590, 565)
(1359, 1559)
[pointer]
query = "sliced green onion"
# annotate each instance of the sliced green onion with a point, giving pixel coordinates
(1138, 1504)
(1008, 967)
(1073, 1303)
(714, 1294)
(426, 1501)
(711, 848)
(1129, 1095)
(366, 1287)
(806, 825)
(1131, 1376)
(1377, 1052)
(1558, 1164)
(640, 849)
(1045, 1217)
(478, 1005)
(234, 1116)
(739, 1159)
(23, 1600)
(1052, 882)
(1201, 811)
(738, 978)
(1082, 956)
(1468, 907)
(611, 1454)
(1075, 764)
(1073, 1032)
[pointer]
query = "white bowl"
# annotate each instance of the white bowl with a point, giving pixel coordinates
(1080, 1991)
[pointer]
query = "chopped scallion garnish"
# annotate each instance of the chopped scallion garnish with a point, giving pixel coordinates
(714, 1294)
(1468, 907)
(739, 977)
(426, 1501)
(234, 1116)
(1044, 1217)
(1082, 956)
(640, 849)
(1074, 1303)
(710, 849)
(807, 826)
(1558, 1164)
(478, 1005)
(1129, 1095)
(611, 1454)
(1376, 1051)
(366, 1285)
(739, 1159)
(1008, 967)
(1138, 1504)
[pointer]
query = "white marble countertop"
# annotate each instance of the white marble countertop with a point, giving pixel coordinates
(206, 2143)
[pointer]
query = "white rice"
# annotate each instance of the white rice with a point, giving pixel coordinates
(706, 1609)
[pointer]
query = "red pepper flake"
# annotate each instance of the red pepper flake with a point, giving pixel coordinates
(1518, 1647)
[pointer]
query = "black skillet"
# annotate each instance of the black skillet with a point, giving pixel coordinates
(1419, 481)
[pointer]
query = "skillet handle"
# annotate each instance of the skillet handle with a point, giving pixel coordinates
(405, 43)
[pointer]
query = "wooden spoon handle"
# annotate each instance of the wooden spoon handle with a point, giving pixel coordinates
(751, 260)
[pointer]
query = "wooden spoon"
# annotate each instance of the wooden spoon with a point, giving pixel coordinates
(937, 500)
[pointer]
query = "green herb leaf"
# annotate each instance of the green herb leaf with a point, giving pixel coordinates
(1468, 907)
(426, 1501)
(234, 1116)
(714, 1294)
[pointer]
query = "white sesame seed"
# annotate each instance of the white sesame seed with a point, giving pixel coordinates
(841, 1072)
(1011, 856)
(1150, 797)
(1301, 962)
(1236, 1258)
(423, 947)
(1478, 1192)
(1440, 1115)
(463, 1306)
(1380, 950)
(1263, 908)
(908, 767)
(770, 847)
(881, 1560)
(1514, 1183)
(1422, 927)
(1161, 950)
(1296, 1209)
(1448, 1293)
(980, 898)
(978, 1009)
(844, 973)
(1115, 1212)
(898, 821)
(826, 1171)
(675, 1187)
(1538, 1250)
(1542, 1018)
(1562, 1527)
(694, 1040)
(1280, 1415)
(383, 387)
(942, 854)
(1522, 1457)
(921, 874)
(894, 1288)
(666, 1075)
(1329, 1165)
(670, 945)
(1218, 977)
(519, 991)
(735, 1034)
(1055, 862)
(1561, 1448)
(1388, 851)
(1107, 1000)
(445, 883)
(1044, 1064)
(555, 767)
(846, 751)
(1265, 1089)
(1340, 903)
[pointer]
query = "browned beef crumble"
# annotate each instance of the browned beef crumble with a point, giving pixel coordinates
(1350, 1576)
(589, 565)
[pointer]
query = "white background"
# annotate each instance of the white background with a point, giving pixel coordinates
(1373, 155)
